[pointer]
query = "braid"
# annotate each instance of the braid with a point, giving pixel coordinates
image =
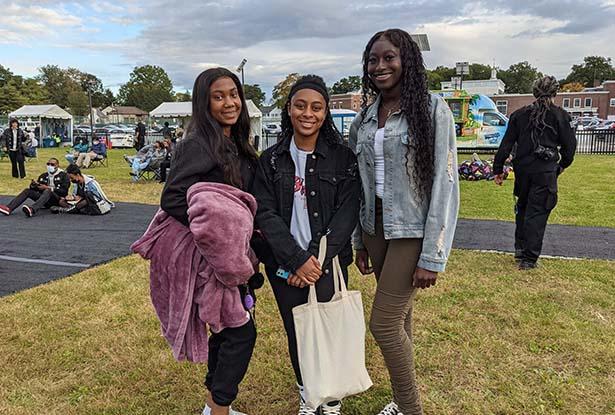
(415, 104)
(544, 90)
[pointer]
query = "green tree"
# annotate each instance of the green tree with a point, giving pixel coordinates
(478, 71)
(183, 96)
(77, 100)
(57, 83)
(16, 91)
(255, 93)
(519, 77)
(281, 90)
(572, 87)
(346, 85)
(148, 87)
(594, 69)
(438, 75)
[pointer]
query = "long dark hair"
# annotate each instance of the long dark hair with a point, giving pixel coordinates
(544, 90)
(415, 103)
(205, 128)
(328, 130)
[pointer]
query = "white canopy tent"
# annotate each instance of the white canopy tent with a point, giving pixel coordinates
(48, 116)
(184, 110)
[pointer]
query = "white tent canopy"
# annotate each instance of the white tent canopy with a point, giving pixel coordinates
(172, 110)
(184, 109)
(46, 114)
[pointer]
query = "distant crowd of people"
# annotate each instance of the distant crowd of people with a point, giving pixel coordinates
(52, 190)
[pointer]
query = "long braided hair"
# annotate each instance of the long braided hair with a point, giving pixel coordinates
(328, 130)
(544, 89)
(414, 103)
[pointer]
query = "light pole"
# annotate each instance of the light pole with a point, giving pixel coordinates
(240, 69)
(90, 102)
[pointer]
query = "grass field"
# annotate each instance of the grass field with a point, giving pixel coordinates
(586, 194)
(489, 340)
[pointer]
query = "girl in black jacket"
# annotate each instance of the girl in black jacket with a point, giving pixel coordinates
(216, 149)
(306, 186)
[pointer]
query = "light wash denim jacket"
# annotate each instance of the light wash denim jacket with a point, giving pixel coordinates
(405, 215)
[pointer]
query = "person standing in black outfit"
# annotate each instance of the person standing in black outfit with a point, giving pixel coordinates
(306, 186)
(14, 141)
(216, 149)
(140, 135)
(546, 145)
(47, 191)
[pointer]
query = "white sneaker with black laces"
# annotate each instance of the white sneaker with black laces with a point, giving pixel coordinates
(327, 409)
(304, 409)
(390, 409)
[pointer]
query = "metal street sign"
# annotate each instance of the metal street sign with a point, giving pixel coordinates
(462, 68)
(422, 41)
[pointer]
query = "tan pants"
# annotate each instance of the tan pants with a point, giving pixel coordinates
(394, 263)
(85, 159)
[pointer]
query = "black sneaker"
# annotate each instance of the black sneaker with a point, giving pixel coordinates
(525, 265)
(518, 255)
(28, 211)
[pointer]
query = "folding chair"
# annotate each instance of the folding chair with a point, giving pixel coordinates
(99, 162)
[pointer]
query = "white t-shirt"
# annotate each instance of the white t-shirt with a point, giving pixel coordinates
(300, 220)
(379, 161)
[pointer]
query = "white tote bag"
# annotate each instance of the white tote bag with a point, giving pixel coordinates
(331, 342)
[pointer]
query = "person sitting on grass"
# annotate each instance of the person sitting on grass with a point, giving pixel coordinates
(81, 146)
(46, 192)
(98, 151)
(152, 159)
(87, 197)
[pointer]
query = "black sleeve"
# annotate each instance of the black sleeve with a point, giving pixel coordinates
(42, 179)
(287, 253)
(346, 217)
(189, 164)
(62, 189)
(567, 140)
(506, 146)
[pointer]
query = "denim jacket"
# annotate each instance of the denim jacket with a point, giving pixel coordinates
(405, 215)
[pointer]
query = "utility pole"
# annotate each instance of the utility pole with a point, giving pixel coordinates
(91, 116)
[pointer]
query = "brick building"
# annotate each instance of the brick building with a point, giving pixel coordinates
(349, 101)
(598, 101)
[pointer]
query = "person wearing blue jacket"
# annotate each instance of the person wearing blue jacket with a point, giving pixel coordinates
(404, 139)
(98, 151)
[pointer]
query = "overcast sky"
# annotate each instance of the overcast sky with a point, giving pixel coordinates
(325, 37)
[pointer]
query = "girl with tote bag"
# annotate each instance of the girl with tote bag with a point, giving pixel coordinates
(306, 186)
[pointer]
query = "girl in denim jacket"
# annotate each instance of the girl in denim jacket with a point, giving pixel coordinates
(405, 144)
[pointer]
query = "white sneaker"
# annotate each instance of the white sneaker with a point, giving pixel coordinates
(325, 409)
(304, 409)
(231, 411)
(390, 409)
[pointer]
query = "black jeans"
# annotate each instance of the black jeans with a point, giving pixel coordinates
(163, 170)
(288, 297)
(17, 163)
(230, 352)
(46, 198)
(537, 196)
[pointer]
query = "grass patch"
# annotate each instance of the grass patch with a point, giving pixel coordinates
(586, 189)
(489, 340)
(586, 196)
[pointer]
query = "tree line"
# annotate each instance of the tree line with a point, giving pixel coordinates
(518, 77)
(148, 86)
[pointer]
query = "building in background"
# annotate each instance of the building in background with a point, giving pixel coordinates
(348, 101)
(487, 87)
(122, 115)
(597, 102)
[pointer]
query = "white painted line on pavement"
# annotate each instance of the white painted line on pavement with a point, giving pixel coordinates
(44, 261)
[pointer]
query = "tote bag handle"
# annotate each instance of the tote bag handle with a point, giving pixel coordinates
(339, 284)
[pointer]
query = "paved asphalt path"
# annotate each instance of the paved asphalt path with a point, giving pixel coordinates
(47, 247)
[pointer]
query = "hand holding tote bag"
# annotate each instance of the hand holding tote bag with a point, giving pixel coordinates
(331, 341)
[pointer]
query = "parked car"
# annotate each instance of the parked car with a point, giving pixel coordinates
(584, 123)
(121, 139)
(272, 128)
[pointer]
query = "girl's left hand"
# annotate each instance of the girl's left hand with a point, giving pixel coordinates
(424, 278)
(295, 281)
